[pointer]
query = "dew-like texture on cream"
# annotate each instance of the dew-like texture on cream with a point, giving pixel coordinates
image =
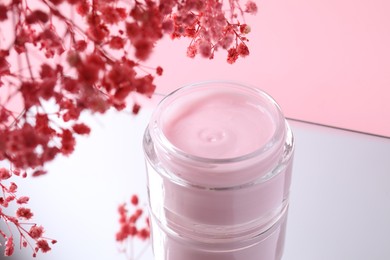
(218, 124)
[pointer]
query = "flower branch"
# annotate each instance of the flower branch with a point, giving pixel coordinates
(58, 67)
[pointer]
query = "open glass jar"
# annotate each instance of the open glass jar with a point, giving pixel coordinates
(219, 162)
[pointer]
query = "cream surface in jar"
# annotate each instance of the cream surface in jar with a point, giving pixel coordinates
(217, 124)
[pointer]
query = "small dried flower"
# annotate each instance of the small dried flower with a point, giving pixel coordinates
(24, 213)
(9, 246)
(36, 232)
(43, 246)
(12, 187)
(251, 7)
(23, 200)
(159, 70)
(245, 29)
(4, 174)
(81, 129)
(134, 200)
(232, 55)
(242, 50)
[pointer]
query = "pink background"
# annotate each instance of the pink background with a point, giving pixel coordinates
(323, 61)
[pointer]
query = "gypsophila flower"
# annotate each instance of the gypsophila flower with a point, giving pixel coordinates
(24, 213)
(4, 174)
(134, 200)
(36, 232)
(9, 246)
(242, 50)
(43, 245)
(59, 65)
(20, 220)
(251, 7)
(130, 225)
(23, 200)
(12, 187)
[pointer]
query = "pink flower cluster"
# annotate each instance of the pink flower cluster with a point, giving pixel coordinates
(27, 236)
(90, 59)
(206, 24)
(130, 227)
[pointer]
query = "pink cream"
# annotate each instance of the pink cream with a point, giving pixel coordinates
(219, 160)
(219, 125)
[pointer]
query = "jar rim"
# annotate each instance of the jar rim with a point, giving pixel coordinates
(158, 135)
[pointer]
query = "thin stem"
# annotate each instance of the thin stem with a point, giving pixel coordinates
(29, 65)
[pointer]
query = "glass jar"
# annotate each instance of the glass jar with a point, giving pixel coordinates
(219, 162)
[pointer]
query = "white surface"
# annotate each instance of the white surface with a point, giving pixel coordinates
(340, 196)
(339, 208)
